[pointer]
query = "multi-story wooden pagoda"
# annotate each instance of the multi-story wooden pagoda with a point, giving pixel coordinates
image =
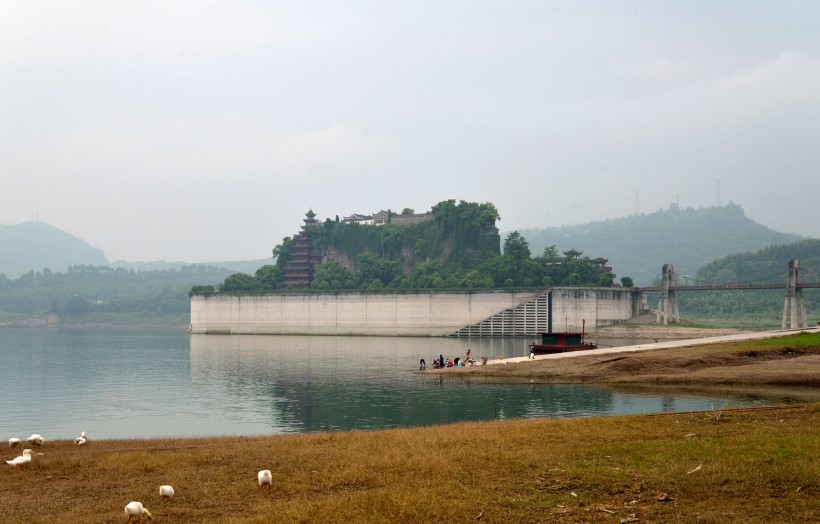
(303, 261)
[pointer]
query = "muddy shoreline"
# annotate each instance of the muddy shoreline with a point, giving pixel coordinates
(788, 361)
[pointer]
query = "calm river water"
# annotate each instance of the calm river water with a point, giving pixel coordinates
(115, 383)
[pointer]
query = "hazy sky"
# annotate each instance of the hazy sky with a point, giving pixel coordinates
(203, 130)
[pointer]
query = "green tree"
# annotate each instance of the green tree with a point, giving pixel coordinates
(201, 290)
(500, 269)
(238, 283)
(517, 247)
(430, 274)
(268, 277)
(282, 252)
(530, 273)
(76, 306)
(391, 238)
(606, 280)
(474, 279)
(627, 282)
(551, 254)
(331, 275)
(372, 267)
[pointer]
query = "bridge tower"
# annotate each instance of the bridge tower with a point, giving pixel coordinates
(794, 301)
(667, 299)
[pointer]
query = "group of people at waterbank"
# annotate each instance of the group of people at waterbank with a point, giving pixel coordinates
(441, 362)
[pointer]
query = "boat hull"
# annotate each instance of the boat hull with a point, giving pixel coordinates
(541, 349)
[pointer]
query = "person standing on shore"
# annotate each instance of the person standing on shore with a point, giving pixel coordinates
(422, 365)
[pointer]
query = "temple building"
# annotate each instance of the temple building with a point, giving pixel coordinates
(302, 262)
(600, 263)
(388, 217)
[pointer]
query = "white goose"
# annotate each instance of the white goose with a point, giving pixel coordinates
(14, 442)
(166, 492)
(265, 479)
(136, 510)
(25, 458)
(36, 440)
(81, 440)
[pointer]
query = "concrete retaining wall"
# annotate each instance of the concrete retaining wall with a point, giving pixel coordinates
(598, 306)
(417, 314)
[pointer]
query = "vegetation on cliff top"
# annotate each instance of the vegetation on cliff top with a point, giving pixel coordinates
(459, 249)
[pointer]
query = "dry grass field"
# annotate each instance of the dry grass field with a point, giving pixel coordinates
(722, 466)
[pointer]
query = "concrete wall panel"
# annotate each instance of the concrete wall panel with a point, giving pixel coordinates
(414, 314)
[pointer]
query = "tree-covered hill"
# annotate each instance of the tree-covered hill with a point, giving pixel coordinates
(84, 290)
(639, 245)
(37, 246)
(457, 248)
(244, 266)
(767, 264)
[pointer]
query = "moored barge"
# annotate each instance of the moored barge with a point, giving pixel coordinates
(560, 343)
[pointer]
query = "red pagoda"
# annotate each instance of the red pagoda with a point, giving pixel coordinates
(302, 262)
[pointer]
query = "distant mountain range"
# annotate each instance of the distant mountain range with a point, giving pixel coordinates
(639, 245)
(34, 246)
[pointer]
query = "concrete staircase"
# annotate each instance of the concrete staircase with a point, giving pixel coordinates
(526, 319)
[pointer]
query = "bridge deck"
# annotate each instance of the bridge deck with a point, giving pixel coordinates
(725, 287)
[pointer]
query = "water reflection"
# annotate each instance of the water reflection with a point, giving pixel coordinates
(154, 383)
(321, 383)
(324, 383)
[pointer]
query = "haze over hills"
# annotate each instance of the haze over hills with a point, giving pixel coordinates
(639, 245)
(37, 245)
(242, 266)
(34, 246)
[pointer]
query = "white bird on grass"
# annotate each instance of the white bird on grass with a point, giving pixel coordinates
(136, 510)
(265, 480)
(14, 442)
(25, 458)
(81, 440)
(166, 492)
(36, 440)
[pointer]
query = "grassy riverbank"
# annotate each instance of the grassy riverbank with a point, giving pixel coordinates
(720, 466)
(792, 361)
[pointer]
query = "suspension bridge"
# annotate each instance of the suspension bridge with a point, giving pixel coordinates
(794, 303)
